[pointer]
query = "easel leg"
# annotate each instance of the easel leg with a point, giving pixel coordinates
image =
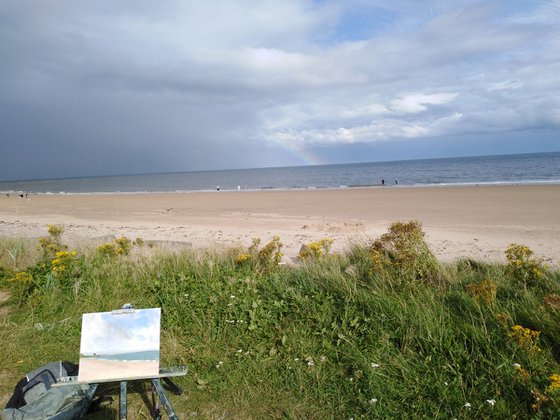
(122, 401)
(87, 400)
(164, 400)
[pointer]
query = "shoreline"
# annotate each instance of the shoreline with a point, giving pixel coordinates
(460, 221)
(265, 189)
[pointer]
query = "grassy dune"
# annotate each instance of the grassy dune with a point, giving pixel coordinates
(382, 331)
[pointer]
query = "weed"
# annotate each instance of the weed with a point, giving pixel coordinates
(316, 250)
(404, 251)
(485, 291)
(262, 258)
(52, 244)
(522, 266)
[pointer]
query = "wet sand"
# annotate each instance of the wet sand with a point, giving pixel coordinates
(474, 222)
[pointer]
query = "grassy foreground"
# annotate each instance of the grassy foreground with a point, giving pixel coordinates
(382, 331)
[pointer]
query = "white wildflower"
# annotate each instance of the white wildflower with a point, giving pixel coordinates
(219, 364)
(374, 365)
(239, 351)
(232, 296)
(516, 365)
(491, 402)
(468, 405)
(373, 401)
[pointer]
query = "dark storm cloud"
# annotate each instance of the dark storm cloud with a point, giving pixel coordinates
(118, 87)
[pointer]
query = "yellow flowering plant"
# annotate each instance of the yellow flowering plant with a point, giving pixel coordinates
(266, 257)
(525, 338)
(554, 386)
(484, 291)
(21, 277)
(404, 251)
(52, 244)
(63, 261)
(522, 266)
(121, 246)
(316, 250)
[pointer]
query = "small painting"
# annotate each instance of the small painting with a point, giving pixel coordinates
(119, 345)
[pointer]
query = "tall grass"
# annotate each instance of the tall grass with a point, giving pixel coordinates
(381, 331)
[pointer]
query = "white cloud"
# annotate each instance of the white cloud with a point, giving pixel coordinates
(419, 102)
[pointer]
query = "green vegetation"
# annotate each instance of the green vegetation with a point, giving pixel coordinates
(379, 332)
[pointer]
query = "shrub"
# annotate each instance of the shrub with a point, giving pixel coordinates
(526, 338)
(122, 246)
(522, 266)
(485, 291)
(265, 258)
(52, 244)
(316, 250)
(107, 249)
(404, 252)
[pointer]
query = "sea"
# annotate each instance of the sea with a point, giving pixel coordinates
(534, 168)
(126, 357)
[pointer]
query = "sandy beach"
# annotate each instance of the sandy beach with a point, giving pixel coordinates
(475, 222)
(92, 369)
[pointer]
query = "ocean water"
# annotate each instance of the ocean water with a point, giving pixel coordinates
(139, 355)
(537, 168)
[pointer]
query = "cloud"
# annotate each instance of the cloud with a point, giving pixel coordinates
(419, 102)
(185, 85)
(106, 333)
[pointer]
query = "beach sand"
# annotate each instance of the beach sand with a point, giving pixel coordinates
(474, 222)
(92, 369)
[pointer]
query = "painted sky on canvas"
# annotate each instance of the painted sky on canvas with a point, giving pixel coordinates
(104, 87)
(105, 333)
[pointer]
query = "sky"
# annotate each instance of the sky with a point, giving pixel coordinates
(136, 86)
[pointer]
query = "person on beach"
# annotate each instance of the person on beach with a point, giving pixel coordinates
(382, 182)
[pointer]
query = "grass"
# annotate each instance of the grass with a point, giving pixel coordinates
(381, 331)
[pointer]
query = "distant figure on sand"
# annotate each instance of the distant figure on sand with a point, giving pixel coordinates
(217, 188)
(382, 182)
(396, 182)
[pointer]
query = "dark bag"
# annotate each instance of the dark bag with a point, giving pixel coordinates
(35, 398)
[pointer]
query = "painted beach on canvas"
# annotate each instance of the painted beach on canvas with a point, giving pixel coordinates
(120, 344)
